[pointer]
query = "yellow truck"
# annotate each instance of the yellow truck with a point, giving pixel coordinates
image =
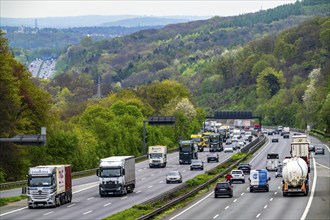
(198, 140)
(206, 139)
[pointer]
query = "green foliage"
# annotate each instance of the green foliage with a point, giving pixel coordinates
(133, 213)
(6, 201)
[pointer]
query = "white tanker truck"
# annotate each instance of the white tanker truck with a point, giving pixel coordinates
(295, 176)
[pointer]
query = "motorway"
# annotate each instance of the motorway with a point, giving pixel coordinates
(87, 204)
(271, 205)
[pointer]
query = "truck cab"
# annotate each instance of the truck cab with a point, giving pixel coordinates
(157, 156)
(216, 143)
(187, 152)
(116, 175)
(49, 186)
(272, 161)
(198, 140)
(259, 180)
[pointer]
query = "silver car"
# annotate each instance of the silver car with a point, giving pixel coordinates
(174, 177)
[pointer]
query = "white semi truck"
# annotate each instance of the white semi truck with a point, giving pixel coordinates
(295, 176)
(116, 175)
(157, 156)
(49, 185)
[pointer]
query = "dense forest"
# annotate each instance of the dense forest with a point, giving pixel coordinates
(187, 70)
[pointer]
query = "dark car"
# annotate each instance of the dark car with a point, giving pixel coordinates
(197, 165)
(319, 150)
(270, 132)
(274, 139)
(212, 157)
(276, 131)
(311, 148)
(279, 170)
(286, 135)
(245, 167)
(223, 189)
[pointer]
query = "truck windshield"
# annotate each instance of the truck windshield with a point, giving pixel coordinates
(113, 172)
(155, 155)
(40, 181)
(185, 149)
(196, 139)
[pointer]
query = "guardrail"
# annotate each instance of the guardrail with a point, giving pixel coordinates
(168, 194)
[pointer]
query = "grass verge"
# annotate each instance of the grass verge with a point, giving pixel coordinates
(6, 201)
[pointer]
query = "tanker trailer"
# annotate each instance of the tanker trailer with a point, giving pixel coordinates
(295, 177)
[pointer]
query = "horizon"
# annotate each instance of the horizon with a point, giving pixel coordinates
(25, 9)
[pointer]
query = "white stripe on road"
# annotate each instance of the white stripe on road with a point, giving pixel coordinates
(327, 147)
(137, 192)
(87, 212)
(85, 188)
(149, 187)
(16, 210)
(242, 194)
(49, 213)
(265, 206)
(192, 206)
(90, 198)
(303, 217)
(71, 205)
(227, 207)
(215, 216)
(124, 197)
(235, 200)
(258, 215)
(161, 181)
(322, 165)
(271, 199)
(107, 204)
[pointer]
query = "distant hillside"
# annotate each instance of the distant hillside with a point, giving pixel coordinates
(150, 21)
(93, 20)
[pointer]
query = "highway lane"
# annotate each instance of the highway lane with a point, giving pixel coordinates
(87, 204)
(258, 205)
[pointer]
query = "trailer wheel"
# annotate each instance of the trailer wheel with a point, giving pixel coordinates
(70, 197)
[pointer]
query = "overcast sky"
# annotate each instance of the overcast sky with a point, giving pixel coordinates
(60, 8)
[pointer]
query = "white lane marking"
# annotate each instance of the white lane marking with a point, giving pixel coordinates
(85, 213)
(71, 205)
(227, 207)
(242, 194)
(90, 198)
(49, 213)
(143, 178)
(271, 199)
(140, 170)
(160, 171)
(322, 165)
(265, 206)
(85, 188)
(145, 168)
(259, 153)
(235, 200)
(215, 216)
(107, 204)
(303, 217)
(138, 192)
(16, 210)
(161, 181)
(150, 187)
(152, 174)
(124, 198)
(258, 215)
(192, 206)
(183, 171)
(248, 188)
(275, 193)
(327, 147)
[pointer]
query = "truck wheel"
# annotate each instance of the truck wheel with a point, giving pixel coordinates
(285, 194)
(267, 190)
(101, 194)
(243, 181)
(251, 190)
(70, 197)
(30, 206)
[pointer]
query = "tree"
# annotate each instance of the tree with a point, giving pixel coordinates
(269, 83)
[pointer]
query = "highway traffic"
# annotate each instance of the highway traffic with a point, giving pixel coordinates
(272, 204)
(87, 203)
